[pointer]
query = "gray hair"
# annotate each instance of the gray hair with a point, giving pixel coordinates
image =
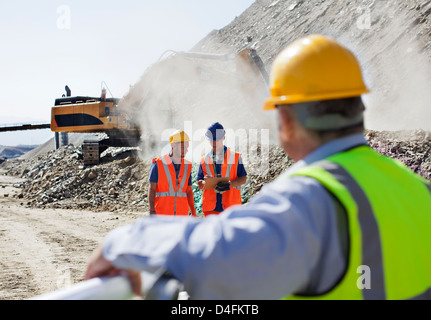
(329, 118)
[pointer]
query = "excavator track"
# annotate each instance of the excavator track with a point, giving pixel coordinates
(93, 148)
(90, 152)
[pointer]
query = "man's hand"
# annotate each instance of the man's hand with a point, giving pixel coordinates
(98, 266)
(222, 187)
(201, 183)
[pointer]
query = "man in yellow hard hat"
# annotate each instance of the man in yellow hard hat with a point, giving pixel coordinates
(344, 222)
(170, 191)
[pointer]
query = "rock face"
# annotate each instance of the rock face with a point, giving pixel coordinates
(390, 38)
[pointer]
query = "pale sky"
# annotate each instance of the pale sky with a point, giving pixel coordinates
(48, 44)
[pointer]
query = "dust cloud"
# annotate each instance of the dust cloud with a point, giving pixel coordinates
(183, 92)
(189, 91)
(399, 76)
(401, 91)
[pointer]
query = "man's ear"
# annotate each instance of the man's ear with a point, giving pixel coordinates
(286, 123)
(173, 146)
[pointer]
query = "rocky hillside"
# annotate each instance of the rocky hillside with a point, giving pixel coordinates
(391, 38)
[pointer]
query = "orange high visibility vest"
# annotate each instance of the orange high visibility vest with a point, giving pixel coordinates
(229, 169)
(171, 193)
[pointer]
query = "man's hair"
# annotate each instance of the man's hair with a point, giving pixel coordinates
(330, 119)
(348, 107)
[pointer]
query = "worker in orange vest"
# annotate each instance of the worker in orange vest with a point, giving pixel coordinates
(220, 162)
(170, 191)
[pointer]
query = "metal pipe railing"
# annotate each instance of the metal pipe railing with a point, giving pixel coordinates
(23, 127)
(155, 286)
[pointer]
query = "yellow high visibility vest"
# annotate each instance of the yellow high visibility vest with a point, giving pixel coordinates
(389, 224)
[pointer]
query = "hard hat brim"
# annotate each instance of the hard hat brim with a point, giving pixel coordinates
(178, 136)
(271, 103)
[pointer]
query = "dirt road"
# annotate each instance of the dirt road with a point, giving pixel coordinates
(42, 250)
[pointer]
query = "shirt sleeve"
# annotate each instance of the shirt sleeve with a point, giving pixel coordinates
(200, 175)
(154, 173)
(283, 241)
(240, 172)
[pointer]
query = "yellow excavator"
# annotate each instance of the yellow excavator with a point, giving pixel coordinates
(81, 114)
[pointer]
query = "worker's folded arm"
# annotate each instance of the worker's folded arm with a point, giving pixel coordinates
(238, 181)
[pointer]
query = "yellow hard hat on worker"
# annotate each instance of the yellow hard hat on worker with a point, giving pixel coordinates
(314, 68)
(178, 136)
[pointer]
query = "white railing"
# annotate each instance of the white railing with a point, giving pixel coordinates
(157, 286)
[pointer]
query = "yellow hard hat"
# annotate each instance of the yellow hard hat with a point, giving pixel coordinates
(314, 68)
(178, 136)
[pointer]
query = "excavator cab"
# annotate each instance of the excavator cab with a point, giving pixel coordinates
(85, 114)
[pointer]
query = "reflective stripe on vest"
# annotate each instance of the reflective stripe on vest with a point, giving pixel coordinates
(171, 198)
(389, 218)
(170, 194)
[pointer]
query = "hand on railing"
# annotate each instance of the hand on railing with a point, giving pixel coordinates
(155, 286)
(103, 281)
(98, 266)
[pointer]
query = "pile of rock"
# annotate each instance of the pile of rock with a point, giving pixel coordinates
(265, 170)
(59, 180)
(412, 147)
